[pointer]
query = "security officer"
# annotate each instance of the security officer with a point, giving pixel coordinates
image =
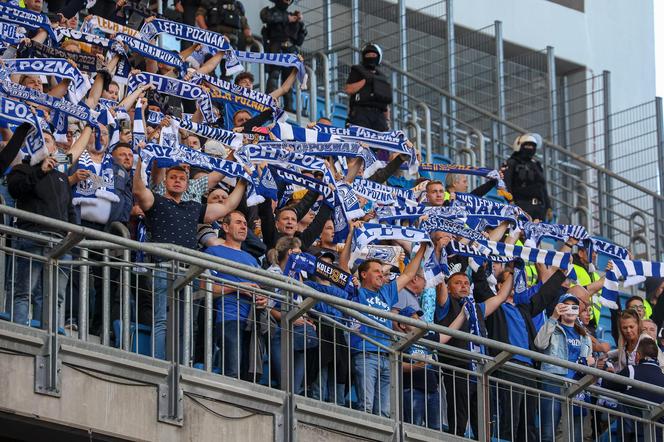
(369, 90)
(223, 16)
(525, 179)
(283, 32)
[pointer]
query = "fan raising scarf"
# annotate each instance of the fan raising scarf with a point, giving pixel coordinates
(491, 212)
(369, 233)
(292, 132)
(272, 154)
(394, 141)
(316, 267)
(153, 52)
(190, 33)
(224, 136)
(239, 95)
(166, 156)
(17, 113)
(624, 269)
(26, 18)
(56, 67)
(395, 213)
(277, 59)
(470, 170)
(368, 188)
(84, 62)
(95, 194)
(291, 177)
(353, 150)
(177, 88)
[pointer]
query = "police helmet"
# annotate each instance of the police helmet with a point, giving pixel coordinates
(535, 139)
(372, 47)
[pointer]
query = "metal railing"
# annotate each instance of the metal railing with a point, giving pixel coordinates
(576, 184)
(413, 376)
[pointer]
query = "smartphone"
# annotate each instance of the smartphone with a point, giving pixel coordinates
(573, 309)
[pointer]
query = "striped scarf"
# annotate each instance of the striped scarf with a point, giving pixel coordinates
(95, 194)
(624, 269)
(470, 170)
(56, 67)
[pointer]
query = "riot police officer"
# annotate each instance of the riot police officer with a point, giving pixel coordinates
(369, 90)
(284, 32)
(223, 16)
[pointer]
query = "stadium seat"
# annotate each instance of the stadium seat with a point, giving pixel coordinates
(144, 337)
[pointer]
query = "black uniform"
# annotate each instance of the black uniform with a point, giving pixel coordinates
(281, 36)
(225, 17)
(368, 105)
(524, 178)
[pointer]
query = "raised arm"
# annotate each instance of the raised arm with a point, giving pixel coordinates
(492, 304)
(411, 269)
(142, 195)
(216, 211)
(285, 86)
(80, 144)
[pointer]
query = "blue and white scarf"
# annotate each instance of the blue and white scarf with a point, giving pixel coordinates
(78, 111)
(177, 88)
(469, 170)
(277, 59)
(84, 62)
(56, 67)
(346, 209)
(292, 177)
(91, 39)
(391, 214)
(273, 154)
(609, 249)
(468, 303)
(230, 92)
(224, 136)
(624, 269)
(153, 52)
(26, 18)
(138, 127)
(166, 156)
(368, 233)
(394, 141)
(562, 232)
(11, 34)
(95, 194)
(15, 112)
(197, 35)
(371, 187)
(490, 211)
(344, 149)
(291, 132)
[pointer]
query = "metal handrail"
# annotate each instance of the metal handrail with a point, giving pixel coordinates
(206, 261)
(506, 123)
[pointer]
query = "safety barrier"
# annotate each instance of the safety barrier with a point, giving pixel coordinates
(421, 381)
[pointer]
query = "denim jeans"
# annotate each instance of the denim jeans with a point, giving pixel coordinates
(231, 338)
(371, 375)
(28, 284)
(421, 407)
(550, 410)
(160, 308)
(325, 387)
(298, 364)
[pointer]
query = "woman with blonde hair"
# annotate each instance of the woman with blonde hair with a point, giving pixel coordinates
(631, 332)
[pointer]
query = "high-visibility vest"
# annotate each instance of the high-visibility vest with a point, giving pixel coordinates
(584, 279)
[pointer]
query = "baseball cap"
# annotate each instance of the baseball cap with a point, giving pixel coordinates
(568, 297)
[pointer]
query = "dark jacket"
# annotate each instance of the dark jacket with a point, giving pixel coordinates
(9, 152)
(525, 179)
(46, 194)
(496, 324)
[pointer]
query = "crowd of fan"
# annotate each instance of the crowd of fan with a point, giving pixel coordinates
(204, 210)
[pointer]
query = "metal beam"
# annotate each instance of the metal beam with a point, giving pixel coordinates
(657, 412)
(413, 335)
(301, 309)
(65, 245)
(582, 384)
(498, 362)
(192, 273)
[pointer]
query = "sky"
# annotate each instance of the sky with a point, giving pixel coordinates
(659, 46)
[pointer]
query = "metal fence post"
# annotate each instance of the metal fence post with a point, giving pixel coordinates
(355, 28)
(500, 75)
(451, 69)
(287, 369)
(83, 294)
(608, 151)
(483, 403)
(47, 366)
(403, 48)
(658, 206)
(106, 300)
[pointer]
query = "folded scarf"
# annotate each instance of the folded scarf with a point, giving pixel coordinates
(107, 26)
(277, 59)
(368, 233)
(153, 52)
(84, 62)
(55, 67)
(277, 155)
(26, 18)
(470, 170)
